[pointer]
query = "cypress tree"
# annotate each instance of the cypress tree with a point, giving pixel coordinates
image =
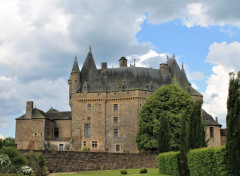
(164, 135)
(196, 128)
(233, 124)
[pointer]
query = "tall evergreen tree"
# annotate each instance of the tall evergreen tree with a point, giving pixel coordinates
(233, 124)
(196, 128)
(164, 135)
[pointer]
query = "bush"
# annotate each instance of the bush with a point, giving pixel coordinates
(124, 171)
(37, 162)
(168, 163)
(84, 149)
(208, 161)
(143, 170)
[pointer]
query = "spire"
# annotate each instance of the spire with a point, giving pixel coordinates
(173, 55)
(75, 68)
(182, 65)
(89, 64)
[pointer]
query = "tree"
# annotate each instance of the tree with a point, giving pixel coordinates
(170, 101)
(196, 128)
(163, 135)
(233, 124)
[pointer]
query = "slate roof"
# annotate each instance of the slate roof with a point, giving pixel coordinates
(51, 114)
(208, 119)
(131, 78)
(75, 68)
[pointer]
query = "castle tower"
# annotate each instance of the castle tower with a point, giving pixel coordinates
(74, 80)
(123, 62)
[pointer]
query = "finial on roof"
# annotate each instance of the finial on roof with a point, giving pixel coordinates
(134, 62)
(90, 48)
(167, 56)
(173, 55)
(75, 57)
(182, 65)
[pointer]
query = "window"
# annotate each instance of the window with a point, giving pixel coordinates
(35, 135)
(60, 147)
(94, 144)
(89, 106)
(115, 107)
(211, 132)
(117, 148)
(41, 134)
(55, 132)
(87, 130)
(89, 118)
(115, 119)
(84, 143)
(115, 132)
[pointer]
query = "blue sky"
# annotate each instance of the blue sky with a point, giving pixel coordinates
(39, 40)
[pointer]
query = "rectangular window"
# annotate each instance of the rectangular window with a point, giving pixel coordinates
(115, 119)
(89, 119)
(117, 148)
(115, 132)
(35, 135)
(60, 147)
(84, 143)
(87, 130)
(55, 132)
(211, 132)
(115, 107)
(94, 144)
(89, 106)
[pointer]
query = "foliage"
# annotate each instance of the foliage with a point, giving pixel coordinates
(163, 136)
(233, 124)
(169, 101)
(17, 160)
(208, 161)
(143, 170)
(84, 149)
(183, 147)
(196, 128)
(124, 171)
(169, 163)
(7, 142)
(37, 162)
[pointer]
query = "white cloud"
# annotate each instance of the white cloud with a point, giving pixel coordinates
(197, 75)
(194, 86)
(2, 137)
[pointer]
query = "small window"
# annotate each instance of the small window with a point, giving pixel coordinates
(117, 148)
(35, 135)
(115, 119)
(115, 132)
(89, 106)
(115, 107)
(89, 119)
(41, 134)
(87, 130)
(84, 143)
(55, 132)
(211, 132)
(60, 147)
(94, 144)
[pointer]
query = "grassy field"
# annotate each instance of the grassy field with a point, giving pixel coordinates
(135, 172)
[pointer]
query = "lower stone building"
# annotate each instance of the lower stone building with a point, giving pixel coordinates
(105, 105)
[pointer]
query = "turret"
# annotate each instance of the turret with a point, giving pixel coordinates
(74, 80)
(123, 62)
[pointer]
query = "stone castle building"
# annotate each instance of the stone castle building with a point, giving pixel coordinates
(105, 105)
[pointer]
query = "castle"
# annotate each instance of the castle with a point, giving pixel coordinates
(105, 105)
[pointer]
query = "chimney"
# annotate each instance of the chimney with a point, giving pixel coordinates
(29, 110)
(164, 68)
(216, 119)
(104, 66)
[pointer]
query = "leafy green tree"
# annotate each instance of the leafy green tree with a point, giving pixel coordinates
(170, 100)
(7, 142)
(164, 135)
(233, 124)
(196, 128)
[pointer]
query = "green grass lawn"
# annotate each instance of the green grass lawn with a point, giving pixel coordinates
(151, 172)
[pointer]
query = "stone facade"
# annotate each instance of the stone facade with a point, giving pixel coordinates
(105, 105)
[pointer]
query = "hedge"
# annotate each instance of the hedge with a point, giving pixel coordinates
(168, 163)
(208, 161)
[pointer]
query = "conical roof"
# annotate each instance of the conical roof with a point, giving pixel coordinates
(75, 68)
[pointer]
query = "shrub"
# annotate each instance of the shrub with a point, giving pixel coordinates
(37, 162)
(124, 171)
(84, 149)
(221, 161)
(168, 163)
(143, 170)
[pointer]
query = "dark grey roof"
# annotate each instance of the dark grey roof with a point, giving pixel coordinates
(75, 68)
(123, 58)
(51, 114)
(208, 119)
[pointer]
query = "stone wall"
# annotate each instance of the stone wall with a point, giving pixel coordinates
(70, 161)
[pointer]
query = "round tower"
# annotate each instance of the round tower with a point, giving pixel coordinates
(123, 62)
(74, 80)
